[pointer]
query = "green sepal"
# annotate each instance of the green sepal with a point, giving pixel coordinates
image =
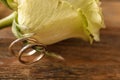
(15, 28)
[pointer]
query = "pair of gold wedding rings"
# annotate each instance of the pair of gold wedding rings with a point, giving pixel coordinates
(31, 49)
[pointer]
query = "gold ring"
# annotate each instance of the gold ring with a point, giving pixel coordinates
(17, 41)
(36, 59)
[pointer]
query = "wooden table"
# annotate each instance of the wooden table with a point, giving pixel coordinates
(100, 61)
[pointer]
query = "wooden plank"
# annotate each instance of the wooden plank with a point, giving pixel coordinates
(111, 13)
(100, 61)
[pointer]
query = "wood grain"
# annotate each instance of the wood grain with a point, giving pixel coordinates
(100, 61)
